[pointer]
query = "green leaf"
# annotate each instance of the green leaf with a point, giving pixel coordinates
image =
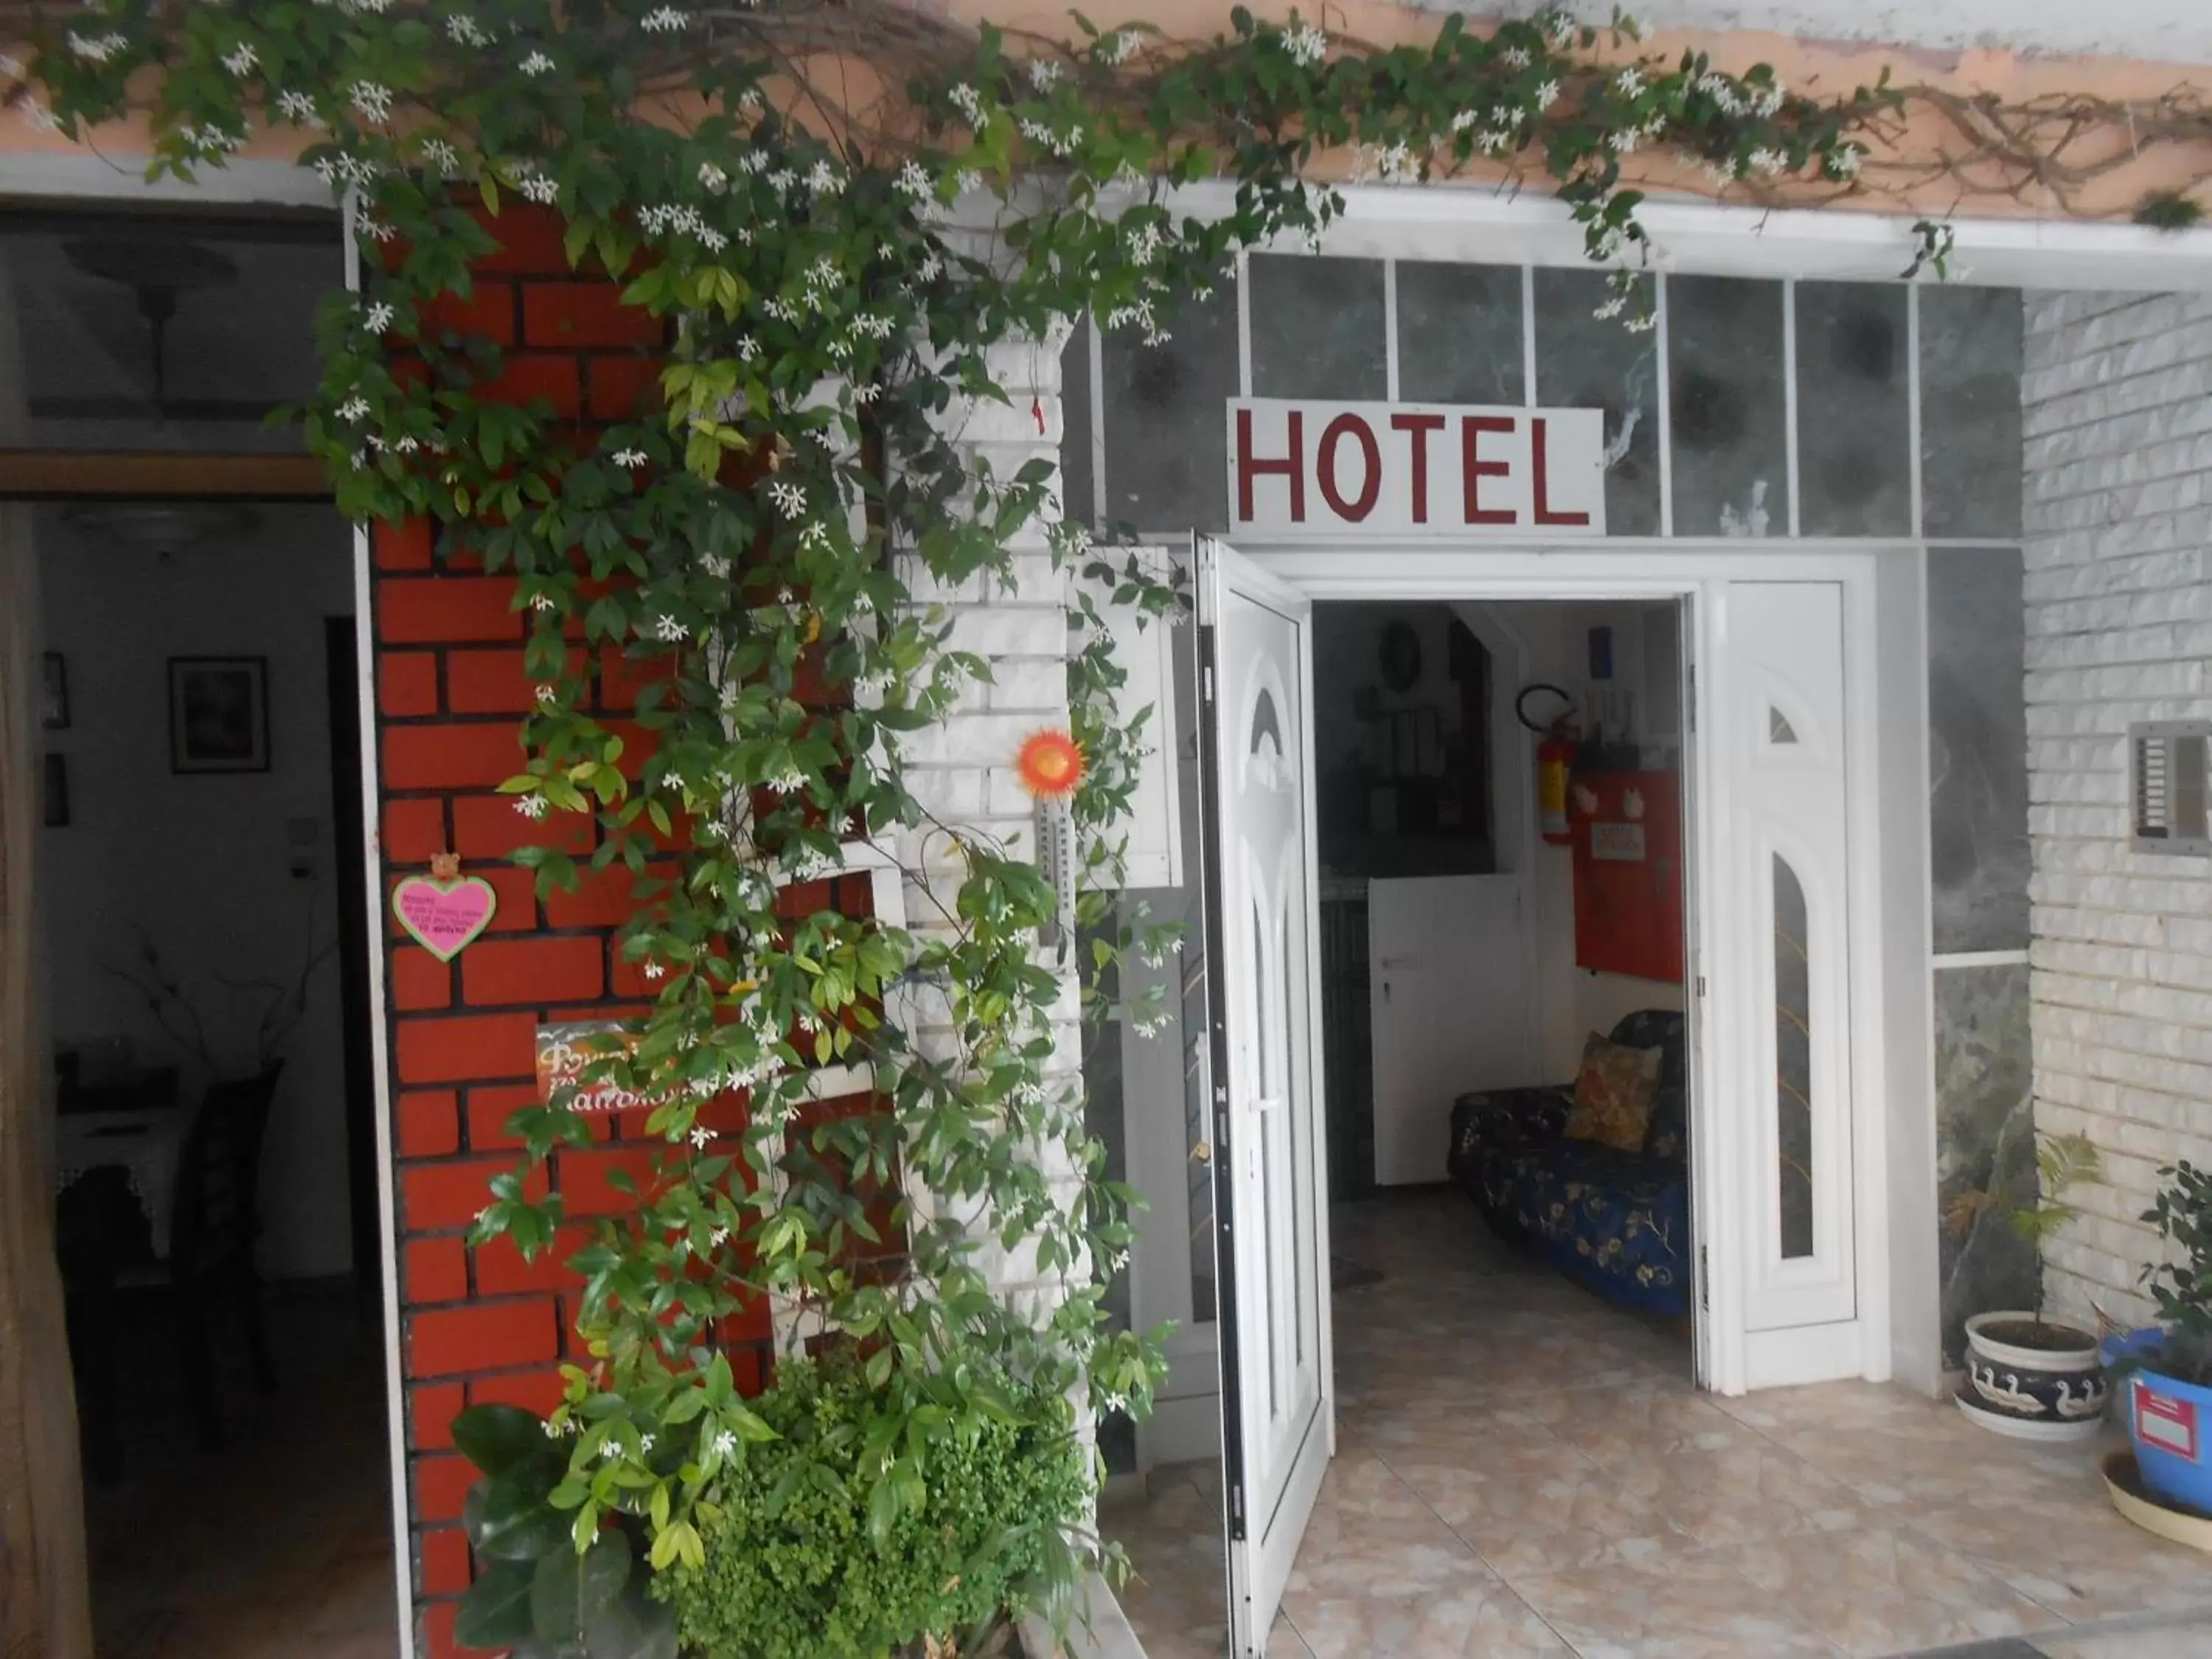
(496, 1437)
(568, 1591)
(495, 1613)
(508, 1522)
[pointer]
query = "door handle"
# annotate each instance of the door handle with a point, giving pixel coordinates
(1265, 1102)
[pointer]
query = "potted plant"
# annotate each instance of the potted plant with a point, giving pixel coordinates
(2167, 1366)
(2028, 1376)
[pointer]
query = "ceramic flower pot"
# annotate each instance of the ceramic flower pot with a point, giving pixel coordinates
(2168, 1422)
(2032, 1381)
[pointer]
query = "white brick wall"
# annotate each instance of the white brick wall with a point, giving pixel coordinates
(2118, 404)
(963, 770)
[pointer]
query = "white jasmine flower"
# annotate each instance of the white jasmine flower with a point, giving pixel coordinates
(1612, 309)
(1547, 94)
(747, 348)
(537, 63)
(703, 1137)
(552, 1429)
(96, 48)
(1043, 73)
(968, 102)
(719, 1237)
(541, 602)
(714, 565)
(547, 694)
(531, 806)
(782, 178)
(378, 317)
(629, 458)
(823, 179)
(789, 781)
(1643, 323)
(355, 408)
(669, 630)
(462, 30)
(724, 1443)
(644, 1444)
(655, 970)
(443, 157)
(967, 182)
(753, 161)
(1305, 43)
(912, 181)
(372, 100)
(815, 537)
(1844, 162)
(1766, 160)
(242, 60)
(1516, 58)
(1624, 141)
(1629, 82)
(1769, 99)
(1116, 48)
(406, 446)
(789, 498)
(929, 268)
(713, 179)
(537, 188)
(663, 21)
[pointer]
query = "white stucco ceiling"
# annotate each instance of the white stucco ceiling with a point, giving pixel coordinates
(2168, 31)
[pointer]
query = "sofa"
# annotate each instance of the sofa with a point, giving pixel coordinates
(1616, 1221)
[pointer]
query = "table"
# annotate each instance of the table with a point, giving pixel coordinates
(142, 1142)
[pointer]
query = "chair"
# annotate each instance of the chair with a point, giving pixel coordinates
(215, 1226)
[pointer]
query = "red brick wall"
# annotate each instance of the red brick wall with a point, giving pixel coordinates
(483, 1325)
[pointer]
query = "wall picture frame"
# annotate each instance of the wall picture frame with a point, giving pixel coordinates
(218, 714)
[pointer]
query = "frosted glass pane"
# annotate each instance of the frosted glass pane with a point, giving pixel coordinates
(1854, 409)
(1793, 1062)
(1077, 503)
(1317, 328)
(1584, 362)
(1731, 445)
(1459, 333)
(1970, 442)
(1167, 443)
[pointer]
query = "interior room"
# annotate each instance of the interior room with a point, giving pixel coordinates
(1502, 888)
(202, 918)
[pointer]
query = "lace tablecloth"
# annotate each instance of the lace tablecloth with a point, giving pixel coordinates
(143, 1145)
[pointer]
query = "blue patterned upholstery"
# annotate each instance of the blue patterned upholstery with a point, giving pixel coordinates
(1617, 1221)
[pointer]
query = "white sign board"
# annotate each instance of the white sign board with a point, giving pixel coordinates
(1414, 470)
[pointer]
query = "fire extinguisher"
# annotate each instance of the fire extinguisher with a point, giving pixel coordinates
(1555, 757)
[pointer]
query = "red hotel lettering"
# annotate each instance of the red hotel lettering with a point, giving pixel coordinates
(1538, 466)
(1474, 470)
(1294, 467)
(1371, 486)
(1417, 428)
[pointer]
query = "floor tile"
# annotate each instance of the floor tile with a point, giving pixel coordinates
(2083, 1561)
(2192, 1639)
(1886, 1589)
(1692, 1607)
(1737, 1493)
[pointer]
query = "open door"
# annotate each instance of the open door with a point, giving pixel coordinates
(1270, 1231)
(1784, 743)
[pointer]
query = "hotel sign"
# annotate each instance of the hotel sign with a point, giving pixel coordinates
(1428, 470)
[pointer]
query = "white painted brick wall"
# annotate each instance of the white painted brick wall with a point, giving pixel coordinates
(2117, 391)
(963, 770)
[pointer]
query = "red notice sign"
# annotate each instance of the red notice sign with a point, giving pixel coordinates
(2164, 1422)
(1414, 470)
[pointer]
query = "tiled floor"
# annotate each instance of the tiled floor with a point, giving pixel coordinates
(1524, 1470)
(281, 1546)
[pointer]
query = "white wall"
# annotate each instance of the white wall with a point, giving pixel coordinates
(2119, 628)
(1571, 1001)
(202, 863)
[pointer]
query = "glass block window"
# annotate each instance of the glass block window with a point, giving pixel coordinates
(1459, 333)
(1585, 361)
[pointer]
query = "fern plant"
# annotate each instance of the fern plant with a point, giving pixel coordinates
(2062, 1162)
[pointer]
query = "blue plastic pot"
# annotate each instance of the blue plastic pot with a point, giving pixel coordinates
(2169, 1424)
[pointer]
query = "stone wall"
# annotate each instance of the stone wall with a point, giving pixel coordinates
(2119, 628)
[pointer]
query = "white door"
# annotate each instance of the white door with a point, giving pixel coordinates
(1271, 1235)
(1447, 993)
(1784, 743)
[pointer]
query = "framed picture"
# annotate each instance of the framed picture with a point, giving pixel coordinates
(218, 714)
(55, 792)
(53, 693)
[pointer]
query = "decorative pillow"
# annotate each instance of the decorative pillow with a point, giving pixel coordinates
(1613, 1094)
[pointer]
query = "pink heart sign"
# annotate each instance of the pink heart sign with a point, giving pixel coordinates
(444, 916)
